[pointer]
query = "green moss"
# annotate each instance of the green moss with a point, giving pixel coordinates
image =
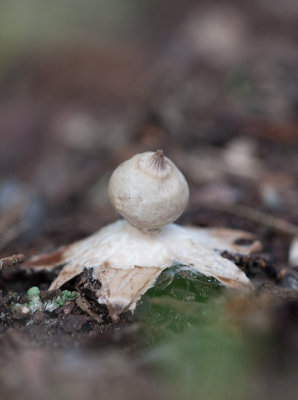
(33, 292)
(60, 300)
(35, 303)
(68, 295)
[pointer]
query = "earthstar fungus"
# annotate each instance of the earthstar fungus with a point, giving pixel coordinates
(128, 255)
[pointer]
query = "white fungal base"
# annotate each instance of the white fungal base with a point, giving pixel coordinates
(127, 261)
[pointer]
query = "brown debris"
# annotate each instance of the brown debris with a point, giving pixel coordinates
(48, 260)
(73, 323)
(257, 216)
(253, 265)
(85, 306)
(11, 260)
(276, 295)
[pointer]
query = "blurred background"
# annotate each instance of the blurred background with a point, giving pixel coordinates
(84, 85)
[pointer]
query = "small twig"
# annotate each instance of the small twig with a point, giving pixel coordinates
(12, 260)
(257, 216)
(85, 306)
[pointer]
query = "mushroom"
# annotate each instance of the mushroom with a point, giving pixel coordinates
(127, 256)
(149, 191)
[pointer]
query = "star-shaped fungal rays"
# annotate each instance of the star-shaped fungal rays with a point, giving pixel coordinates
(128, 261)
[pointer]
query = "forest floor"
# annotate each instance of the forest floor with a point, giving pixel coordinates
(228, 117)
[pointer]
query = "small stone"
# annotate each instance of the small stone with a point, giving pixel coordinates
(73, 323)
(20, 311)
(67, 309)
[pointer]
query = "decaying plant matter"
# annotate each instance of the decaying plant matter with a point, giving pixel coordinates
(128, 255)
